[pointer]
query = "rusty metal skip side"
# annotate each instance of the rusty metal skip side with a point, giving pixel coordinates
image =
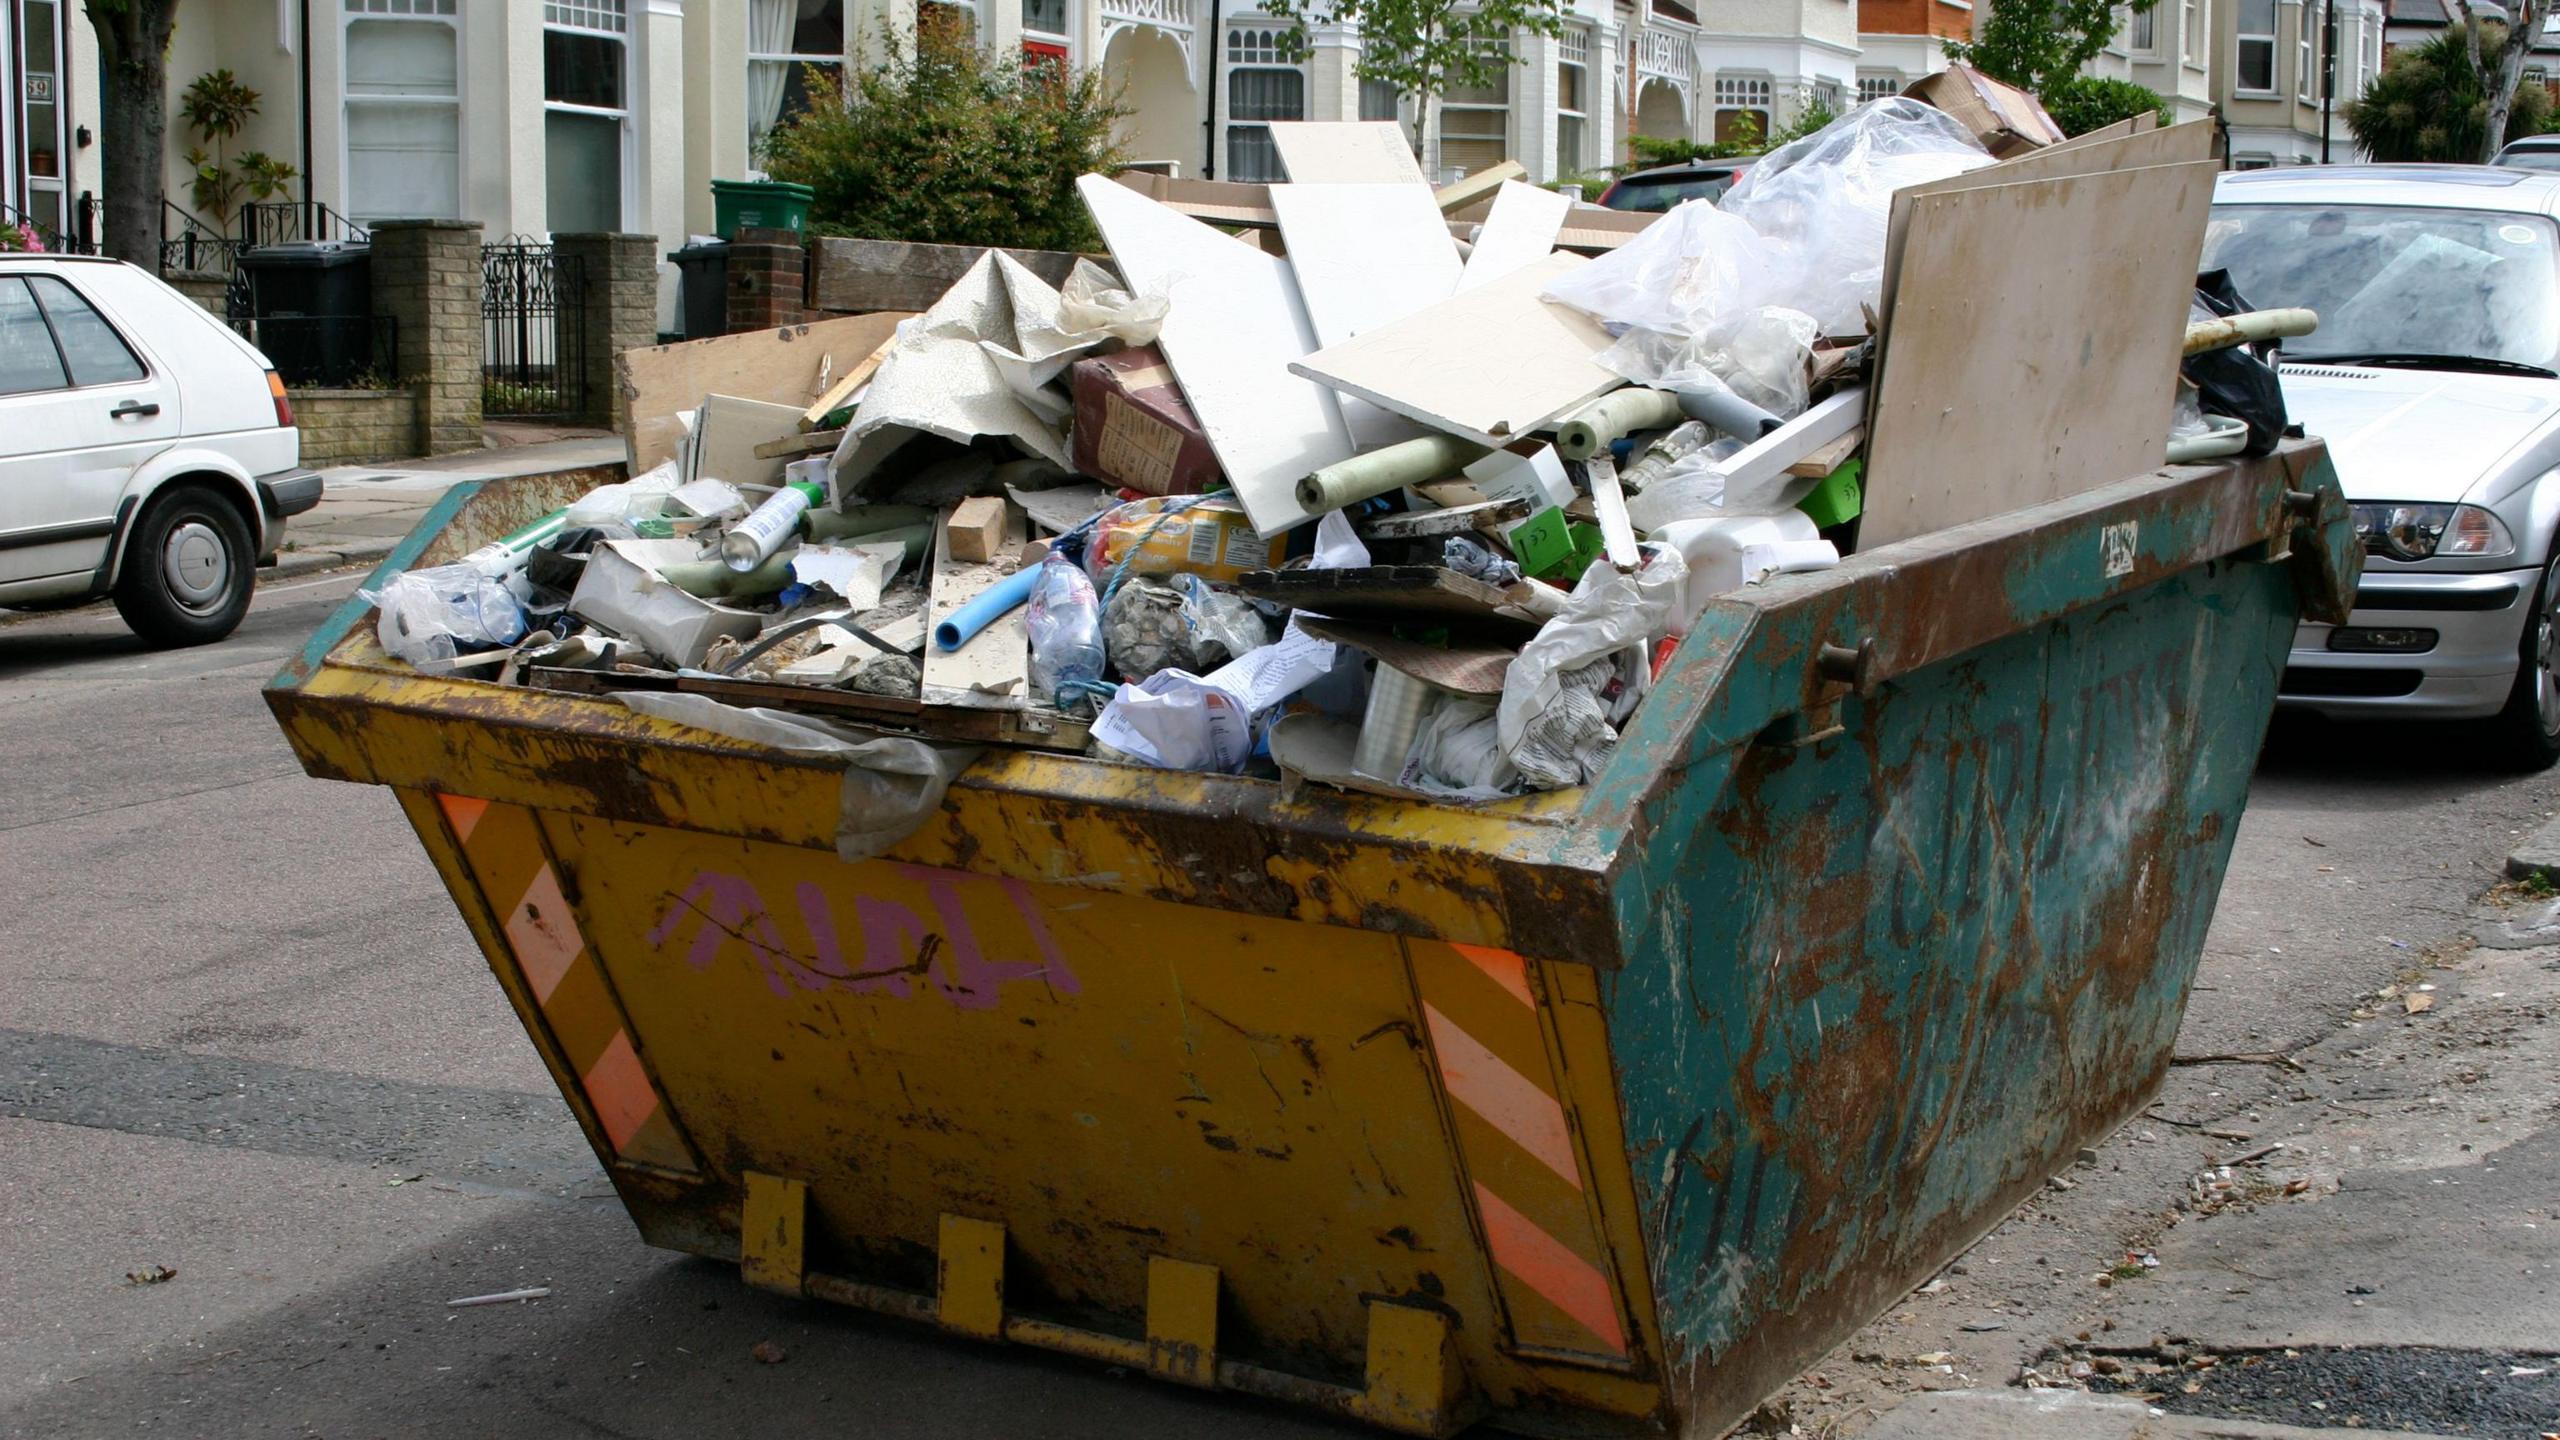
(1902, 972)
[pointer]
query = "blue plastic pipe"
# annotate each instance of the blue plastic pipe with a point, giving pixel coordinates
(992, 604)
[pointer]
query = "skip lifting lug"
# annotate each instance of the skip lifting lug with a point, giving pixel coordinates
(1850, 665)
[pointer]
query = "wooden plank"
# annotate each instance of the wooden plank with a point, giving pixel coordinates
(863, 275)
(1365, 256)
(993, 669)
(1392, 595)
(2031, 344)
(792, 447)
(1491, 364)
(1830, 457)
(1235, 327)
(1520, 232)
(1219, 202)
(1345, 152)
(1475, 189)
(841, 392)
(779, 366)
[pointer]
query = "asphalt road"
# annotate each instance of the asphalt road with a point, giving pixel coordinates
(243, 1035)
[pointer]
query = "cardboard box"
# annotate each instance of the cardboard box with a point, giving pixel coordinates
(1133, 428)
(2007, 120)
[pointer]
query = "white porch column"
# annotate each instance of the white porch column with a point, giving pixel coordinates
(1608, 117)
(659, 121)
(505, 167)
(1333, 79)
(1533, 107)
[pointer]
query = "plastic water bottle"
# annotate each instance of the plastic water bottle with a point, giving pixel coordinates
(1065, 620)
(753, 540)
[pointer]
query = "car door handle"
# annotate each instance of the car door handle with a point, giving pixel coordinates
(132, 407)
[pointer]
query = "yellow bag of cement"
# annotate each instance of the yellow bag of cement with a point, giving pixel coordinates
(1203, 535)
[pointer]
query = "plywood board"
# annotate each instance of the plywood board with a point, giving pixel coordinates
(2117, 147)
(1346, 152)
(1491, 364)
(2032, 343)
(1520, 232)
(1235, 327)
(778, 366)
(992, 670)
(1365, 256)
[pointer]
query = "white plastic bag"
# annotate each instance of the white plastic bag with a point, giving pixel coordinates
(430, 616)
(639, 498)
(1758, 355)
(1804, 230)
(1563, 698)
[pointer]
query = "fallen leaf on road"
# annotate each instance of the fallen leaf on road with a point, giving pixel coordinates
(1934, 1357)
(2416, 1003)
(1982, 1327)
(767, 1352)
(398, 1180)
(151, 1275)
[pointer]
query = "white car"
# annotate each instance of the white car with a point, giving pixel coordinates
(147, 452)
(2435, 379)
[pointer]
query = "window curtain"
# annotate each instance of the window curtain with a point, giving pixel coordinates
(769, 27)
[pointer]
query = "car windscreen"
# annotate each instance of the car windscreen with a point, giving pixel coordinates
(2538, 158)
(1659, 195)
(2399, 279)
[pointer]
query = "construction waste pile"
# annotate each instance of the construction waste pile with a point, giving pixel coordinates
(1326, 479)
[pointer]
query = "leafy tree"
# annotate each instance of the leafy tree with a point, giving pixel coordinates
(1424, 48)
(2034, 44)
(2430, 103)
(2084, 103)
(133, 117)
(217, 107)
(1811, 115)
(944, 145)
(2501, 77)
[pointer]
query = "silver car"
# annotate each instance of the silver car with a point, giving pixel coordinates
(2435, 379)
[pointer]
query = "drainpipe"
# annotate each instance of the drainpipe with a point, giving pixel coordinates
(1209, 127)
(308, 216)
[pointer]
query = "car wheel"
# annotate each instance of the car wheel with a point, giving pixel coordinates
(188, 569)
(2528, 730)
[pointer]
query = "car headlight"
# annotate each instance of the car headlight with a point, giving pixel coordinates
(2418, 532)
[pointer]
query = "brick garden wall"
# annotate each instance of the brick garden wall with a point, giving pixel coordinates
(355, 427)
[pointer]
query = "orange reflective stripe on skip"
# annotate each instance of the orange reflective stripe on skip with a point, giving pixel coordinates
(503, 846)
(1503, 1097)
(1544, 1264)
(544, 934)
(619, 1089)
(1505, 967)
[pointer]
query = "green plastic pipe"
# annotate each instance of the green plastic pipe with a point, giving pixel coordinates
(1410, 462)
(714, 580)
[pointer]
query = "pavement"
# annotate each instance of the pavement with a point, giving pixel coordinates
(263, 1114)
(365, 509)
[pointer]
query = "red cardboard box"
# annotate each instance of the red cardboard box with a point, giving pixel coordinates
(1133, 428)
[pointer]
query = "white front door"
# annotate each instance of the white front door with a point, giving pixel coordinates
(79, 410)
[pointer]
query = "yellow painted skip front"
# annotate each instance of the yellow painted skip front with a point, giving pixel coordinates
(1321, 1121)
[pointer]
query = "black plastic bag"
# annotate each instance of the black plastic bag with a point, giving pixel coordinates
(2236, 381)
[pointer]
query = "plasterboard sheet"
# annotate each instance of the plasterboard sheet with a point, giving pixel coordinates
(989, 672)
(1491, 364)
(2118, 147)
(1235, 325)
(1365, 256)
(1521, 231)
(1346, 152)
(2031, 346)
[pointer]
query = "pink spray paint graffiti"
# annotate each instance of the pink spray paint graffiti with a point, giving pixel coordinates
(899, 949)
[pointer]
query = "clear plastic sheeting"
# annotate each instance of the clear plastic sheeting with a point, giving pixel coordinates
(1804, 231)
(429, 617)
(1757, 356)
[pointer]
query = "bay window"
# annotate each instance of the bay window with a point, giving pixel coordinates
(403, 97)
